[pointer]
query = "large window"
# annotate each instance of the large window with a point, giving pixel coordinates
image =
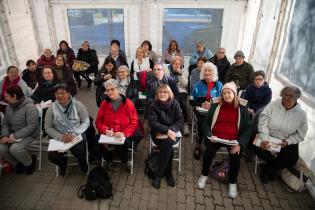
(298, 61)
(98, 26)
(187, 26)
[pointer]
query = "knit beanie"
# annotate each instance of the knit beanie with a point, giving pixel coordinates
(239, 53)
(231, 86)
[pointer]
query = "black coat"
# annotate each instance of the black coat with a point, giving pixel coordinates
(90, 57)
(44, 92)
(162, 119)
(222, 66)
(26, 76)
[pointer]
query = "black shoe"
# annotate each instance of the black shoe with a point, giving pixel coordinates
(79, 83)
(197, 153)
(63, 169)
(30, 169)
(157, 182)
(170, 180)
(84, 167)
(19, 168)
(89, 83)
(264, 176)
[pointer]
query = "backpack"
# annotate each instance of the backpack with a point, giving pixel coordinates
(98, 185)
(220, 171)
(152, 165)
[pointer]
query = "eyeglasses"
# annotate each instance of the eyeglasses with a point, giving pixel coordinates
(220, 52)
(157, 69)
(120, 72)
(111, 89)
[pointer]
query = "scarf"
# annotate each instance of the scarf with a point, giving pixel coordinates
(66, 118)
(165, 105)
(174, 74)
(123, 85)
(7, 84)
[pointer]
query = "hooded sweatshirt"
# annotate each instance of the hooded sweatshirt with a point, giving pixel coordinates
(289, 125)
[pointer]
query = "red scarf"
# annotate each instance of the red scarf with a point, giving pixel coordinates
(7, 83)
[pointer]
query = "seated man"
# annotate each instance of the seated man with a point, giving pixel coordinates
(19, 129)
(222, 63)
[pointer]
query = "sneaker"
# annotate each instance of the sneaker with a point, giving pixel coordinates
(30, 169)
(19, 168)
(202, 181)
(186, 130)
(232, 190)
(63, 170)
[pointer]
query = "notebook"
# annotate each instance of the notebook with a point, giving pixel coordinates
(104, 139)
(200, 109)
(273, 146)
(56, 145)
(223, 141)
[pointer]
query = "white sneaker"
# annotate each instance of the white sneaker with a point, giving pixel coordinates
(186, 130)
(232, 190)
(202, 181)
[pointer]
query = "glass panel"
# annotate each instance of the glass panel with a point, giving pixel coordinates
(98, 26)
(298, 62)
(187, 26)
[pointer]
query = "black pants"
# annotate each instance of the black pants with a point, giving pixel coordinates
(166, 155)
(234, 160)
(83, 74)
(61, 159)
(120, 150)
(183, 106)
(287, 157)
(200, 119)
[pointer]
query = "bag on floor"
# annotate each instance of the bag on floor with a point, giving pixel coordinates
(98, 185)
(152, 165)
(220, 171)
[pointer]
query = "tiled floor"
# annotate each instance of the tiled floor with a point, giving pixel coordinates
(43, 190)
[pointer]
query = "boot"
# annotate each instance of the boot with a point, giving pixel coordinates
(168, 172)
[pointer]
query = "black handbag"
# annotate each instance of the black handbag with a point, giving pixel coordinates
(152, 165)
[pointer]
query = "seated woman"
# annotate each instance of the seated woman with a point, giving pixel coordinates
(107, 71)
(47, 58)
(19, 129)
(207, 88)
(228, 120)
(147, 46)
(258, 94)
(66, 52)
(119, 59)
(32, 74)
(12, 79)
(64, 74)
(140, 63)
(172, 51)
(283, 119)
(165, 119)
(180, 75)
(46, 88)
(201, 51)
(116, 117)
(88, 55)
(65, 119)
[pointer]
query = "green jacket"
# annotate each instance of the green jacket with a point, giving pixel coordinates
(244, 123)
(241, 75)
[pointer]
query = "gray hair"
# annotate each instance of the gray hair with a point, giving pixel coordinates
(213, 68)
(123, 67)
(293, 89)
(220, 48)
(110, 82)
(200, 43)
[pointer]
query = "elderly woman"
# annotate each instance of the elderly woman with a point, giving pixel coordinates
(227, 120)
(116, 117)
(64, 74)
(172, 51)
(201, 51)
(119, 59)
(107, 71)
(165, 119)
(140, 63)
(283, 119)
(180, 75)
(207, 88)
(12, 79)
(19, 129)
(147, 46)
(66, 119)
(46, 59)
(67, 52)
(88, 55)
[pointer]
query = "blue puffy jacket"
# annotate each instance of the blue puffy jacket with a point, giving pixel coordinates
(201, 89)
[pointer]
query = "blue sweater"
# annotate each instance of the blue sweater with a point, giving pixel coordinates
(201, 89)
(258, 97)
(195, 55)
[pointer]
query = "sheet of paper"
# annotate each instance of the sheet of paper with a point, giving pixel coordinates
(104, 139)
(223, 141)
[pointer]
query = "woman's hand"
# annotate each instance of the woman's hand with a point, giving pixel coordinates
(4, 140)
(251, 111)
(171, 134)
(11, 139)
(109, 132)
(235, 149)
(107, 76)
(119, 135)
(284, 144)
(264, 145)
(67, 137)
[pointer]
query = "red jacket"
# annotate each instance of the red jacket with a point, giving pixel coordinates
(42, 61)
(125, 119)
